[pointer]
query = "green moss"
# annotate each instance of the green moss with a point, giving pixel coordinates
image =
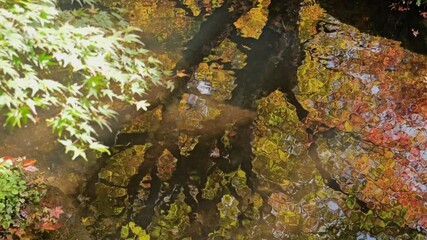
(132, 231)
(215, 185)
(228, 217)
(110, 205)
(173, 222)
(279, 141)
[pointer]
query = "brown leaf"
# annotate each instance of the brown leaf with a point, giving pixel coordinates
(50, 226)
(181, 73)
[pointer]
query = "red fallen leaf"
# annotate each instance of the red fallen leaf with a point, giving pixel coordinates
(18, 232)
(50, 226)
(388, 61)
(5, 158)
(360, 107)
(423, 221)
(232, 133)
(146, 185)
(404, 138)
(375, 136)
(402, 9)
(28, 162)
(56, 212)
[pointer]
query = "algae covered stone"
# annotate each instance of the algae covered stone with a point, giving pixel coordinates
(110, 204)
(251, 23)
(280, 142)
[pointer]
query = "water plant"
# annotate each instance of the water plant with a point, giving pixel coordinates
(133, 231)
(12, 194)
(17, 193)
(418, 3)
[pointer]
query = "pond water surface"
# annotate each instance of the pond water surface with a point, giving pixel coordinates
(270, 132)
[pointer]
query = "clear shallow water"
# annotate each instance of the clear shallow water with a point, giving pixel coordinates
(200, 173)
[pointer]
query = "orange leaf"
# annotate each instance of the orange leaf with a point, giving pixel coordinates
(50, 226)
(232, 134)
(421, 107)
(357, 119)
(181, 73)
(29, 162)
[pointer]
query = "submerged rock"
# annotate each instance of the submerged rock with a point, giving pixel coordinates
(149, 121)
(252, 22)
(187, 143)
(173, 222)
(280, 142)
(166, 165)
(110, 203)
(213, 76)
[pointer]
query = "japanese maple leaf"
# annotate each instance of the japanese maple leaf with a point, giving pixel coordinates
(56, 212)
